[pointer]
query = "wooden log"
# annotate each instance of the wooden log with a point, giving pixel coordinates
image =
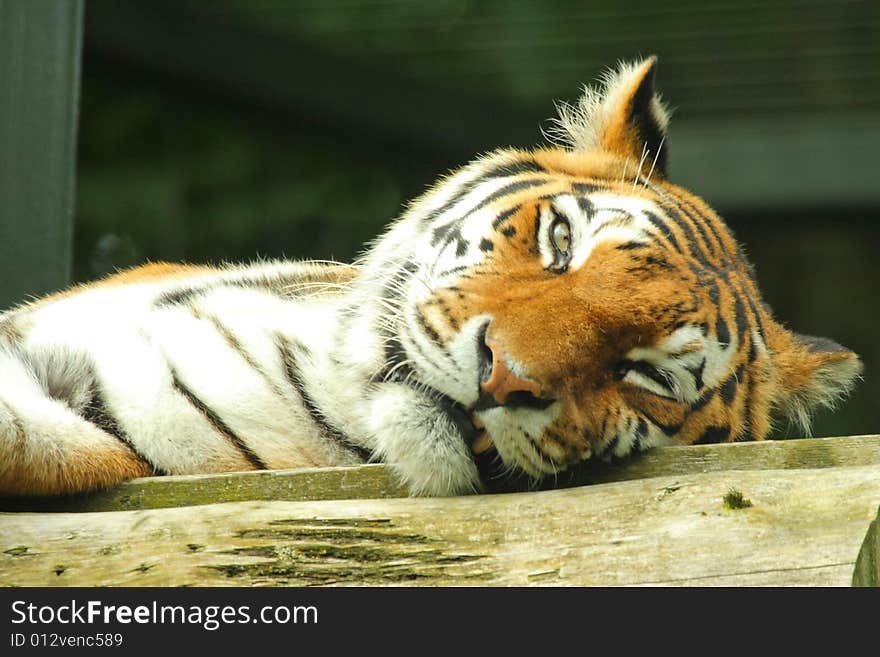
(372, 481)
(782, 527)
(867, 570)
(365, 481)
(758, 455)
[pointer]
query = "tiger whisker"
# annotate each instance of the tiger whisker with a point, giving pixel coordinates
(639, 172)
(654, 163)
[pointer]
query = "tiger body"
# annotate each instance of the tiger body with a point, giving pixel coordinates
(552, 305)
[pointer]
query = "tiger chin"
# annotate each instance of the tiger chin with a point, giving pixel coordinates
(544, 307)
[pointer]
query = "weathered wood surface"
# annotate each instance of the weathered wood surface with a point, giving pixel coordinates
(365, 481)
(802, 527)
(377, 481)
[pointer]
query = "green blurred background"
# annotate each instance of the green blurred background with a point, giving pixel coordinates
(232, 129)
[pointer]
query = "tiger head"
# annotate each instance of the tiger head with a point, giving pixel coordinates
(570, 301)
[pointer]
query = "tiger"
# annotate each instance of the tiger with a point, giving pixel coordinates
(544, 306)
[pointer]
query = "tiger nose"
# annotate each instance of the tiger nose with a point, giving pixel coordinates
(500, 384)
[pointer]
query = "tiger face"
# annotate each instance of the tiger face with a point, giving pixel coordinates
(570, 302)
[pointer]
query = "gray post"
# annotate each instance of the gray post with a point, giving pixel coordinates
(40, 43)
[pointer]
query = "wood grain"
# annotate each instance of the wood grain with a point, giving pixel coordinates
(802, 527)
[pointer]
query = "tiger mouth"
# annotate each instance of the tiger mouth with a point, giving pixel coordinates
(474, 435)
(469, 427)
(471, 430)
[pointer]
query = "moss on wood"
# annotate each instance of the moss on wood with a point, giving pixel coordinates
(733, 500)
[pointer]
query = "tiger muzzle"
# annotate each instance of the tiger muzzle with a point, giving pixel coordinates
(500, 386)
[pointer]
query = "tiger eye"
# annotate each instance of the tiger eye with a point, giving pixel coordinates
(560, 235)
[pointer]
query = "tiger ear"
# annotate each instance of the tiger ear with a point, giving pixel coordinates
(813, 373)
(625, 116)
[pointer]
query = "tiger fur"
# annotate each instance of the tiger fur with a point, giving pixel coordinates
(553, 305)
